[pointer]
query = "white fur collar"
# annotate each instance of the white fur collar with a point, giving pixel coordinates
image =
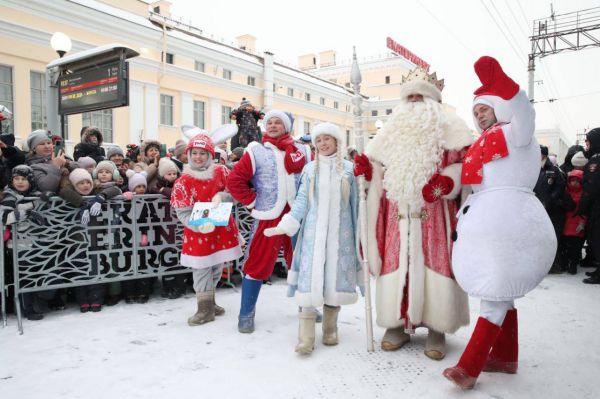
(200, 174)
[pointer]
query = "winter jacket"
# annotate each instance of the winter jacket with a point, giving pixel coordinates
(89, 150)
(573, 220)
(158, 184)
(71, 195)
(550, 190)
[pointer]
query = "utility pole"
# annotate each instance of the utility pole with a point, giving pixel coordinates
(572, 31)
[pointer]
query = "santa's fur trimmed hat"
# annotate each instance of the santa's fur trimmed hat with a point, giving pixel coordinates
(165, 165)
(275, 113)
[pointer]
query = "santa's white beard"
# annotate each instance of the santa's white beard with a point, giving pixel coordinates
(410, 147)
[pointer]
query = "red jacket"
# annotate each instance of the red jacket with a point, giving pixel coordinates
(573, 220)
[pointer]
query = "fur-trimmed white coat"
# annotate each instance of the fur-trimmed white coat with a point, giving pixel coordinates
(325, 268)
(414, 252)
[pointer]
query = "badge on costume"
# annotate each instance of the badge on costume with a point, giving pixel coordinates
(593, 167)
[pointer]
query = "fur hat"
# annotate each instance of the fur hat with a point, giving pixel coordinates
(202, 141)
(165, 165)
(91, 131)
(327, 128)
(147, 144)
(136, 179)
(579, 160)
(114, 151)
(24, 171)
(87, 162)
(79, 175)
(37, 137)
(275, 113)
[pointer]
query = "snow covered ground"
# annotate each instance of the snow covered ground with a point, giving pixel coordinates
(148, 351)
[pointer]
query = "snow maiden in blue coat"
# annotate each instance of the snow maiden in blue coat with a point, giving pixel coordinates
(325, 268)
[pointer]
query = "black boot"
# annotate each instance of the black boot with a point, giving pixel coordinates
(595, 279)
(572, 267)
(29, 311)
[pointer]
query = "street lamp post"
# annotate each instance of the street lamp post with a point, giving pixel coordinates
(62, 45)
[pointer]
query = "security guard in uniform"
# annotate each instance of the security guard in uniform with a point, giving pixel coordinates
(590, 199)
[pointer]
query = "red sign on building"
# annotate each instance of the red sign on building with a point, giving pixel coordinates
(404, 52)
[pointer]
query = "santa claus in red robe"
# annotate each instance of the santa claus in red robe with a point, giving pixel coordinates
(414, 194)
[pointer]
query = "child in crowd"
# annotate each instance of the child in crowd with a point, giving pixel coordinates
(573, 234)
(90, 297)
(174, 285)
(87, 163)
(91, 144)
(205, 248)
(12, 209)
(137, 290)
(325, 268)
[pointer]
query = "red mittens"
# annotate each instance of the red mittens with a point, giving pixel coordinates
(437, 187)
(294, 160)
(362, 166)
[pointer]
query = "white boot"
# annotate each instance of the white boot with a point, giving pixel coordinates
(306, 333)
(435, 346)
(330, 331)
(394, 339)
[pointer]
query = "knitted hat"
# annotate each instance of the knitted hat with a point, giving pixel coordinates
(24, 171)
(180, 146)
(327, 128)
(274, 113)
(245, 102)
(87, 162)
(202, 141)
(79, 175)
(37, 137)
(579, 160)
(105, 165)
(238, 151)
(114, 151)
(165, 165)
(136, 179)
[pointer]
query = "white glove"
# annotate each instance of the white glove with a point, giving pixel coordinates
(85, 217)
(216, 200)
(580, 228)
(274, 231)
(206, 228)
(95, 209)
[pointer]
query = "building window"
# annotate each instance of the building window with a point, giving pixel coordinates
(274, 88)
(347, 84)
(226, 74)
(307, 96)
(388, 111)
(38, 101)
(199, 114)
(170, 59)
(374, 112)
(199, 66)
(157, 10)
(290, 92)
(6, 97)
(103, 120)
(225, 115)
(251, 81)
(322, 101)
(333, 80)
(347, 137)
(306, 127)
(166, 110)
(336, 105)
(387, 80)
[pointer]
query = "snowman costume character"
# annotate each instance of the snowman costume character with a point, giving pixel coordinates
(505, 242)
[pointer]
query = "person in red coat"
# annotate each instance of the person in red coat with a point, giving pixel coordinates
(265, 180)
(574, 231)
(205, 248)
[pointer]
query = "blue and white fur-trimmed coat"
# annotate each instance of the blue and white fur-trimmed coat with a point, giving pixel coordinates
(325, 268)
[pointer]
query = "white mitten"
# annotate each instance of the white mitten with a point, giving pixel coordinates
(273, 231)
(206, 228)
(85, 217)
(95, 209)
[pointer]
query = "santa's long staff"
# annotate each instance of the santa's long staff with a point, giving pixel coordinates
(362, 207)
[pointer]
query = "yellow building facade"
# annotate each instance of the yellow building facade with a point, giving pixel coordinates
(182, 75)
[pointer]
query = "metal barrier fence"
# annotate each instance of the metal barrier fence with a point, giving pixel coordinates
(128, 240)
